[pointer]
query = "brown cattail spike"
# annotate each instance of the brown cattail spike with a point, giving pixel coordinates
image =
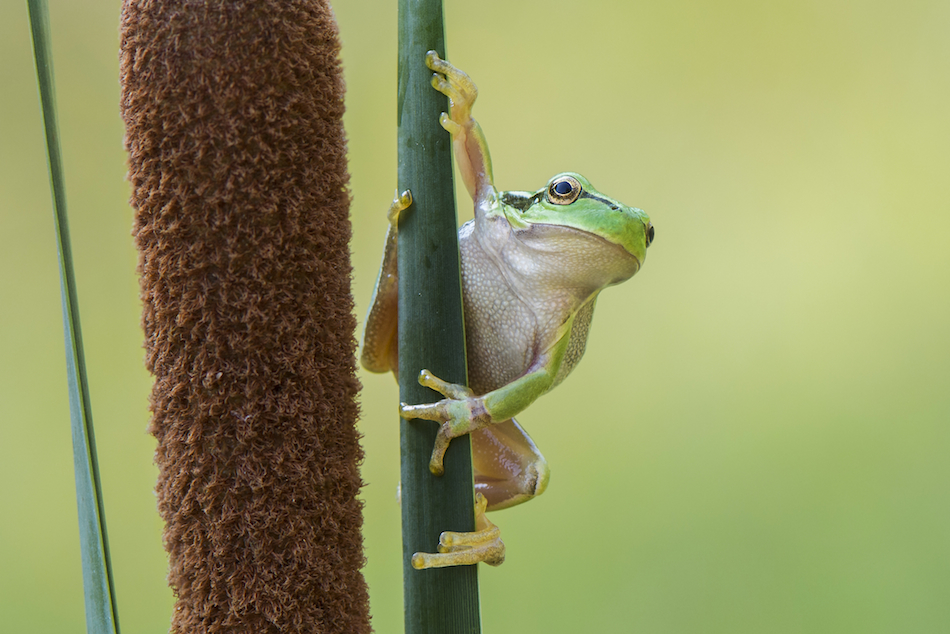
(237, 159)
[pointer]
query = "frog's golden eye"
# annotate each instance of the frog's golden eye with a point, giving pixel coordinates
(564, 190)
(650, 233)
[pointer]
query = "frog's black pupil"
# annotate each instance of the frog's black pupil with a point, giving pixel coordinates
(563, 188)
(650, 234)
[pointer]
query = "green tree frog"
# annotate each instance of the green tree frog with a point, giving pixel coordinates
(533, 264)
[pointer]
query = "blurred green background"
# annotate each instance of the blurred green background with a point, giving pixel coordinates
(758, 438)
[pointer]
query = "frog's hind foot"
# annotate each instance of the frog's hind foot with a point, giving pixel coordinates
(465, 549)
(401, 202)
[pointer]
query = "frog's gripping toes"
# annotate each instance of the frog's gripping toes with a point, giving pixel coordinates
(464, 549)
(460, 412)
(471, 148)
(401, 202)
(455, 85)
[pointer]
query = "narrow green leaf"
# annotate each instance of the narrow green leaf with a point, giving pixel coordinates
(431, 335)
(101, 616)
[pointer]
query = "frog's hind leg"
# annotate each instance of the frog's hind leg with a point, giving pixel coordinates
(465, 549)
(509, 469)
(380, 351)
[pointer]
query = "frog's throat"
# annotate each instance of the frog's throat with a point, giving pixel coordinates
(519, 224)
(626, 263)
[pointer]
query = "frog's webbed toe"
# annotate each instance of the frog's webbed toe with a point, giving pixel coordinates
(451, 82)
(465, 549)
(455, 85)
(471, 149)
(400, 203)
(448, 125)
(460, 413)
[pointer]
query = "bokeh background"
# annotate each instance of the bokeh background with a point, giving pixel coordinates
(758, 438)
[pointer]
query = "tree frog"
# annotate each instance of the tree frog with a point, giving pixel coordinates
(533, 264)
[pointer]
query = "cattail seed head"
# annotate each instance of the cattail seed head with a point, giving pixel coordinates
(237, 162)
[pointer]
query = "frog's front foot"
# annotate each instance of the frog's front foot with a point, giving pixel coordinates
(455, 85)
(460, 413)
(465, 549)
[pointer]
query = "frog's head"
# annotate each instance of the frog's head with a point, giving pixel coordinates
(570, 200)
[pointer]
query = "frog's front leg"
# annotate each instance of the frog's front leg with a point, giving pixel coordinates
(471, 148)
(462, 412)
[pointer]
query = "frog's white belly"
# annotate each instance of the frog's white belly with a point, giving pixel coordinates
(520, 289)
(500, 329)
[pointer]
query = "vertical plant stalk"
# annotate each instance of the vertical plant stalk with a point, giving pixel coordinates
(431, 335)
(98, 585)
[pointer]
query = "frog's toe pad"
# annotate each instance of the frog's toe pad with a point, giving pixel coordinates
(464, 549)
(448, 125)
(446, 389)
(400, 203)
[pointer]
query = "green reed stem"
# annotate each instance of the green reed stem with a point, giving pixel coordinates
(101, 615)
(431, 335)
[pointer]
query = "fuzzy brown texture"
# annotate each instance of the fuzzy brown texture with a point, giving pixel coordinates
(237, 160)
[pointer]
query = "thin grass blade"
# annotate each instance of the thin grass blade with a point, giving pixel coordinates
(101, 616)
